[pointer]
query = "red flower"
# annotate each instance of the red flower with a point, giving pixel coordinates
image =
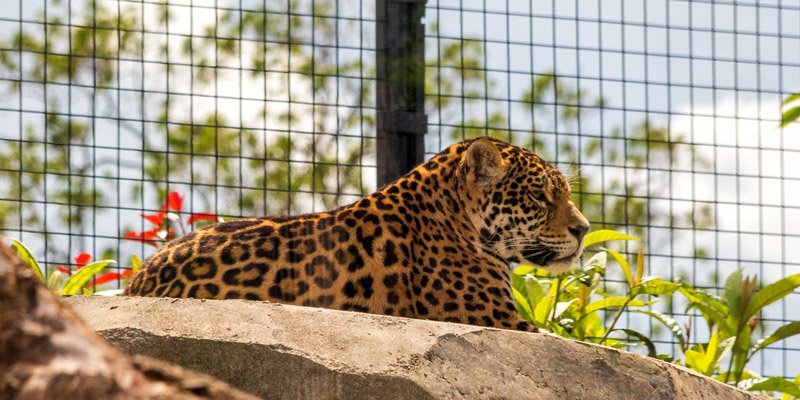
(202, 217)
(150, 237)
(82, 259)
(174, 201)
(161, 219)
(146, 237)
(156, 219)
(110, 277)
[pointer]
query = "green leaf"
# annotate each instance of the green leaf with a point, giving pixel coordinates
(698, 296)
(517, 282)
(591, 325)
(623, 263)
(562, 306)
(612, 302)
(523, 270)
(704, 359)
(597, 262)
(713, 316)
(534, 290)
(695, 360)
(656, 286)
(792, 97)
(796, 381)
(541, 312)
(604, 235)
(136, 263)
(773, 384)
(27, 258)
(790, 116)
(732, 293)
(740, 347)
(711, 307)
(725, 346)
(673, 325)
(523, 306)
(591, 272)
(52, 280)
(639, 266)
(771, 293)
(81, 278)
(788, 330)
(651, 347)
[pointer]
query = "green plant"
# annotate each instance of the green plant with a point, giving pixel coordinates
(575, 305)
(77, 282)
(732, 319)
(83, 279)
(572, 305)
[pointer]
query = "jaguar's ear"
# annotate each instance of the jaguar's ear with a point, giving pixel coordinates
(483, 164)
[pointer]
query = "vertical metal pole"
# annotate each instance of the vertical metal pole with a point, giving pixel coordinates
(400, 92)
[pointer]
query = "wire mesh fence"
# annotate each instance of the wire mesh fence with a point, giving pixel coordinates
(244, 108)
(665, 113)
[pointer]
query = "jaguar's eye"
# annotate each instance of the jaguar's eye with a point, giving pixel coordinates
(539, 196)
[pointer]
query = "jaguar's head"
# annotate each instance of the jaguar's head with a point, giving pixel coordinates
(520, 205)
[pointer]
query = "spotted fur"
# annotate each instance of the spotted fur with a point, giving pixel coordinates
(436, 244)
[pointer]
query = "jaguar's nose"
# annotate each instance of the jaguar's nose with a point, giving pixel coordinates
(579, 230)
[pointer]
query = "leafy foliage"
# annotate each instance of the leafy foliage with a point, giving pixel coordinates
(84, 278)
(74, 283)
(576, 305)
(732, 318)
(791, 110)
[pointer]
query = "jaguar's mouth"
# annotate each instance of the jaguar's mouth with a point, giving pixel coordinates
(539, 255)
(548, 259)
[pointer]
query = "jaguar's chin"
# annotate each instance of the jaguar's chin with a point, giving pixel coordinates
(560, 265)
(548, 259)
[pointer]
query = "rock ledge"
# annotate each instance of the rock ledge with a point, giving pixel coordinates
(288, 352)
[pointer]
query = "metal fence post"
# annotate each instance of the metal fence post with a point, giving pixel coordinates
(400, 93)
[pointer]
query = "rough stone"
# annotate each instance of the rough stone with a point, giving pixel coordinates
(288, 352)
(47, 352)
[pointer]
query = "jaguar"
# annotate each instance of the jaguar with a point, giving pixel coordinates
(436, 244)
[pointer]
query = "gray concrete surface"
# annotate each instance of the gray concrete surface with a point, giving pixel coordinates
(288, 352)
